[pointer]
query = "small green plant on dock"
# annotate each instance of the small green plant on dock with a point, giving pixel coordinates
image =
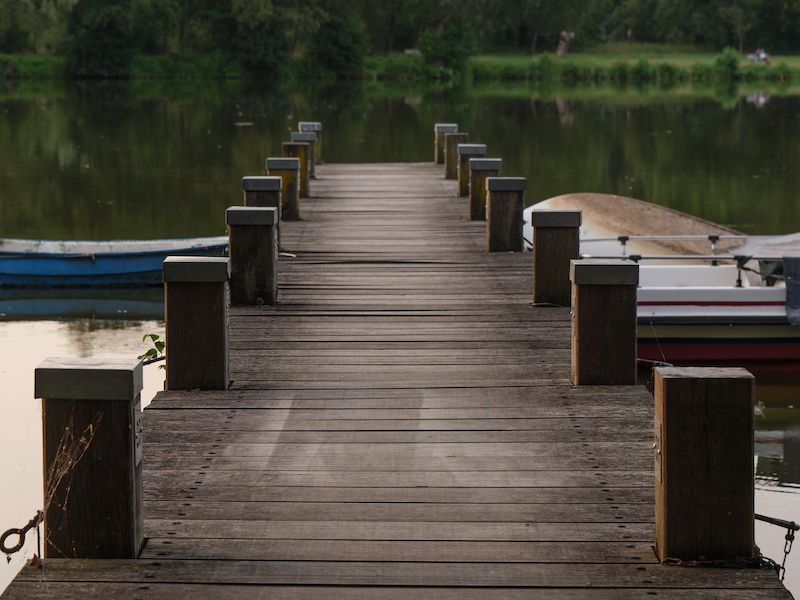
(156, 352)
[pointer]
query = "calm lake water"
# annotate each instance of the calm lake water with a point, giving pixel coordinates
(153, 160)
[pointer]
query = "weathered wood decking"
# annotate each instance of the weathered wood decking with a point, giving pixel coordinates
(401, 426)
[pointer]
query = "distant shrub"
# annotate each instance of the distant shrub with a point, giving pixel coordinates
(702, 73)
(726, 65)
(667, 74)
(100, 43)
(619, 73)
(781, 73)
(450, 49)
(340, 45)
(543, 70)
(642, 72)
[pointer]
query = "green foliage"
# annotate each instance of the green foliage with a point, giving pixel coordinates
(619, 73)
(398, 67)
(782, 73)
(16, 25)
(262, 50)
(214, 65)
(101, 43)
(157, 350)
(642, 72)
(31, 66)
(341, 45)
(448, 47)
(726, 65)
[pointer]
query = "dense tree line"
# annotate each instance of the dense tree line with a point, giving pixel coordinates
(100, 37)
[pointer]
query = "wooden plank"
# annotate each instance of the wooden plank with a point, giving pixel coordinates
(398, 530)
(403, 479)
(401, 551)
(406, 511)
(182, 591)
(246, 572)
(163, 489)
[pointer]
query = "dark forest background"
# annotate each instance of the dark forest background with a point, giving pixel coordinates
(101, 37)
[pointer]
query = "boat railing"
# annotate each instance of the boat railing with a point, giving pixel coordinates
(623, 240)
(741, 261)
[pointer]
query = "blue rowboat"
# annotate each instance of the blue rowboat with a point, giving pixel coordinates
(46, 264)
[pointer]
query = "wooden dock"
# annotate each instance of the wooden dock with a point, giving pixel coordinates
(401, 426)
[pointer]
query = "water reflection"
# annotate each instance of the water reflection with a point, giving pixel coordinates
(156, 159)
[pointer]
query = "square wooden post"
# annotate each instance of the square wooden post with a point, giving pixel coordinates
(288, 169)
(264, 192)
(704, 463)
(196, 315)
(504, 205)
(479, 170)
(556, 241)
(604, 322)
(299, 150)
(310, 138)
(466, 152)
(451, 142)
(253, 251)
(91, 415)
(439, 130)
(314, 127)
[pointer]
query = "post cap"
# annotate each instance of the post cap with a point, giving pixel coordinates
(96, 378)
(309, 126)
(445, 127)
(251, 215)
(281, 164)
(261, 184)
(196, 269)
(506, 184)
(458, 135)
(603, 272)
(704, 373)
(556, 218)
(485, 164)
(304, 136)
(472, 149)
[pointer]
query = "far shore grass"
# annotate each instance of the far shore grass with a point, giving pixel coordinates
(611, 63)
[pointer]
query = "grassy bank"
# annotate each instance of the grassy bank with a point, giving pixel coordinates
(619, 64)
(621, 68)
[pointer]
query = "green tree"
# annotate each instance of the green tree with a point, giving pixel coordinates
(341, 44)
(16, 25)
(262, 37)
(101, 43)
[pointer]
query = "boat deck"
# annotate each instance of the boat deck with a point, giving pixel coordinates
(401, 425)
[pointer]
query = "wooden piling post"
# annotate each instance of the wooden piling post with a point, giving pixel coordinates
(604, 322)
(310, 138)
(466, 152)
(299, 150)
(479, 170)
(91, 415)
(253, 251)
(288, 169)
(451, 142)
(439, 131)
(504, 206)
(556, 241)
(264, 192)
(196, 315)
(704, 463)
(315, 127)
